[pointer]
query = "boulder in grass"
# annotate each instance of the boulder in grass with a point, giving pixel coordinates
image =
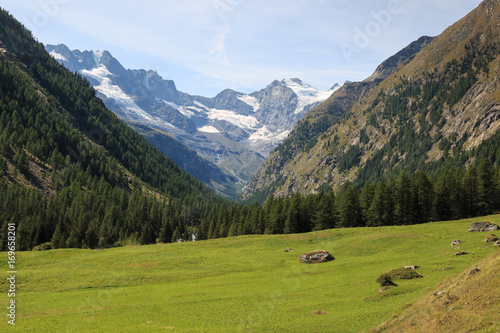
(316, 257)
(483, 226)
(411, 267)
(456, 242)
(490, 238)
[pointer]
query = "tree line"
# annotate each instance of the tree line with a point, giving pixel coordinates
(402, 200)
(102, 216)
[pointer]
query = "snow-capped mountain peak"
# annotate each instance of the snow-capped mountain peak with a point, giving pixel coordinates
(294, 82)
(97, 57)
(307, 95)
(233, 130)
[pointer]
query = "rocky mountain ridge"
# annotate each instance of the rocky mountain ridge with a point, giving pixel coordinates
(438, 109)
(232, 132)
(271, 176)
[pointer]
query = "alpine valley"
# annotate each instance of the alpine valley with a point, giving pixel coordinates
(221, 141)
(109, 221)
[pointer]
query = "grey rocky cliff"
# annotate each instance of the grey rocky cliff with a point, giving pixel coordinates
(388, 66)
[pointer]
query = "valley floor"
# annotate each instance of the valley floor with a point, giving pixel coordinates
(245, 284)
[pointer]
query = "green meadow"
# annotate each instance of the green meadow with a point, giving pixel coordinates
(240, 284)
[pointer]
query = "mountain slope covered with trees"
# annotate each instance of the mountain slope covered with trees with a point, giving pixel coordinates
(439, 109)
(72, 173)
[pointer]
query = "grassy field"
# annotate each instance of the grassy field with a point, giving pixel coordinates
(245, 284)
(467, 302)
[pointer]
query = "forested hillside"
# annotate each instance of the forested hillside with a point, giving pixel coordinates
(73, 174)
(439, 109)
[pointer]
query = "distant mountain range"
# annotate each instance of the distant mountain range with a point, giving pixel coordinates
(222, 141)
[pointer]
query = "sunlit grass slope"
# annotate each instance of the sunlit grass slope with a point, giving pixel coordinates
(245, 284)
(467, 302)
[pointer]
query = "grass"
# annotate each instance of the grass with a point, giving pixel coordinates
(245, 284)
(468, 302)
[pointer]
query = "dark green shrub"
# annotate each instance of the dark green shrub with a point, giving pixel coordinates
(385, 280)
(400, 273)
(404, 273)
(43, 247)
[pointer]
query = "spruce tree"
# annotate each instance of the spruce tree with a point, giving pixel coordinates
(349, 208)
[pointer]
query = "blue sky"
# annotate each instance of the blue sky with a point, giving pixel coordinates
(206, 46)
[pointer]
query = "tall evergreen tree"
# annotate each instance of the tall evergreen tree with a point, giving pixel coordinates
(325, 215)
(294, 219)
(380, 211)
(486, 187)
(349, 208)
(402, 199)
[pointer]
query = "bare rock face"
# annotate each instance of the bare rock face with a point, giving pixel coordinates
(316, 257)
(483, 226)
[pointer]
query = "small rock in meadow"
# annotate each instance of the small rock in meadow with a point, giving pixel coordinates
(474, 271)
(319, 312)
(456, 242)
(490, 238)
(316, 257)
(411, 267)
(461, 253)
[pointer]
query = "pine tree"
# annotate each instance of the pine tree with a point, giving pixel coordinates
(349, 208)
(324, 217)
(423, 197)
(147, 234)
(470, 192)
(442, 205)
(58, 238)
(166, 231)
(366, 199)
(381, 210)
(402, 200)
(293, 219)
(486, 187)
(275, 220)
(176, 236)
